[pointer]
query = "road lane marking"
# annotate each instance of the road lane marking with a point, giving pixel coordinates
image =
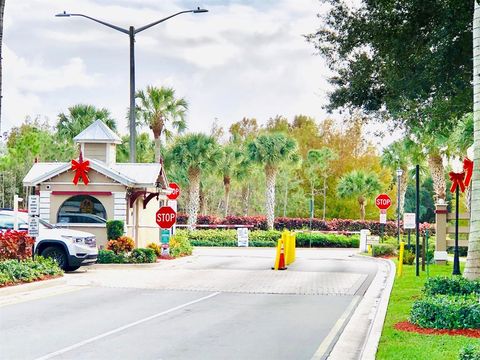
(334, 332)
(124, 327)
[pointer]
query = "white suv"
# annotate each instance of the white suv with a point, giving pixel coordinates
(69, 248)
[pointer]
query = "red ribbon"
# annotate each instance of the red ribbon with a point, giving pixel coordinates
(468, 169)
(457, 180)
(81, 169)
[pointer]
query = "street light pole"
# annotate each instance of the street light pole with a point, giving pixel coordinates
(131, 32)
(399, 179)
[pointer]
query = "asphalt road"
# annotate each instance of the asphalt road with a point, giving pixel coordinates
(215, 305)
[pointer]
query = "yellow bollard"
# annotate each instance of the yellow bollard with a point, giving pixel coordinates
(294, 246)
(400, 258)
(291, 248)
(286, 247)
(369, 249)
(277, 256)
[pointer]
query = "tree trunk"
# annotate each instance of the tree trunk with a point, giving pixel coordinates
(472, 267)
(226, 184)
(158, 147)
(246, 199)
(157, 129)
(362, 203)
(437, 171)
(271, 173)
(324, 197)
(2, 8)
(193, 196)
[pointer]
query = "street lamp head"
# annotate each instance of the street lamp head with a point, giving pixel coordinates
(64, 14)
(399, 172)
(198, 10)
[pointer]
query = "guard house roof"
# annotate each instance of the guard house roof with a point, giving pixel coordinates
(98, 132)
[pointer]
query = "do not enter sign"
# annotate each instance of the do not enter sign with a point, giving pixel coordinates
(166, 217)
(383, 201)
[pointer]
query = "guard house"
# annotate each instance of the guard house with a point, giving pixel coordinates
(84, 193)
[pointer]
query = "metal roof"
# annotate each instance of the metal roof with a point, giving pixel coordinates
(98, 132)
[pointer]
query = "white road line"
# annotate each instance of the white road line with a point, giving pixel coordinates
(117, 330)
(322, 349)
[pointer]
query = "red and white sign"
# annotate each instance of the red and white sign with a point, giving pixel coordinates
(166, 217)
(383, 201)
(176, 191)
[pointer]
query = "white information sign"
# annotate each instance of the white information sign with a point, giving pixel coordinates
(373, 239)
(33, 226)
(383, 218)
(242, 237)
(409, 221)
(33, 205)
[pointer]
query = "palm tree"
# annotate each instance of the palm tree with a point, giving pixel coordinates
(361, 185)
(269, 150)
(230, 160)
(157, 107)
(472, 267)
(145, 149)
(317, 165)
(79, 117)
(195, 153)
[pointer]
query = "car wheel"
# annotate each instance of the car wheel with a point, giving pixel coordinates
(71, 268)
(56, 254)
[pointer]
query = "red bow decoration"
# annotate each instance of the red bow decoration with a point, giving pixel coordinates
(468, 169)
(81, 169)
(457, 180)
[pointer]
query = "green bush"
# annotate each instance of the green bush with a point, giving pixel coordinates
(109, 257)
(180, 245)
(155, 247)
(14, 271)
(114, 229)
(383, 250)
(408, 257)
(142, 255)
(456, 285)
(447, 312)
(469, 352)
(327, 240)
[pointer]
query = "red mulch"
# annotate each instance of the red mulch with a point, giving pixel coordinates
(408, 326)
(44, 277)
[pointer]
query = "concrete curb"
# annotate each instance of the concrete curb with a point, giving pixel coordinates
(37, 285)
(371, 345)
(359, 339)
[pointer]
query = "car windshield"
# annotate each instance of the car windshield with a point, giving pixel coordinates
(47, 224)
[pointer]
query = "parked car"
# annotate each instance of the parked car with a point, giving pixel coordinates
(69, 248)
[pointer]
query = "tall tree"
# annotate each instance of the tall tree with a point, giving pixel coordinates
(269, 150)
(228, 167)
(79, 117)
(158, 107)
(195, 153)
(472, 267)
(2, 10)
(145, 149)
(361, 185)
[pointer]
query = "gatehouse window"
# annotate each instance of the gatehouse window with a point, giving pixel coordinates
(82, 209)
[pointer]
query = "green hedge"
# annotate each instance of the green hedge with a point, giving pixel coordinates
(383, 250)
(137, 256)
(14, 271)
(180, 245)
(470, 352)
(447, 312)
(456, 285)
(267, 238)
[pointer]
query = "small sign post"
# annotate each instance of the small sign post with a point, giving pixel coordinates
(165, 218)
(33, 219)
(383, 202)
(409, 223)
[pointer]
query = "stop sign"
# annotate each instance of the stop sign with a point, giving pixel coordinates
(166, 217)
(176, 191)
(383, 201)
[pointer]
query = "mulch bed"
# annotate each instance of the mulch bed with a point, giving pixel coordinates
(409, 327)
(44, 277)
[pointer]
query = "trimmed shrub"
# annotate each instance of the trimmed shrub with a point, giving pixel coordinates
(121, 245)
(469, 352)
(447, 312)
(142, 255)
(115, 229)
(109, 257)
(456, 285)
(383, 250)
(408, 257)
(327, 240)
(14, 271)
(180, 245)
(156, 248)
(15, 245)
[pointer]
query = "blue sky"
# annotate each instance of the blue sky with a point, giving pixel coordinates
(243, 58)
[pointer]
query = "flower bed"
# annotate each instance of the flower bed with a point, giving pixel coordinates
(14, 272)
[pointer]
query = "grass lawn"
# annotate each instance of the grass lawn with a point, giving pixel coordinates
(395, 344)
